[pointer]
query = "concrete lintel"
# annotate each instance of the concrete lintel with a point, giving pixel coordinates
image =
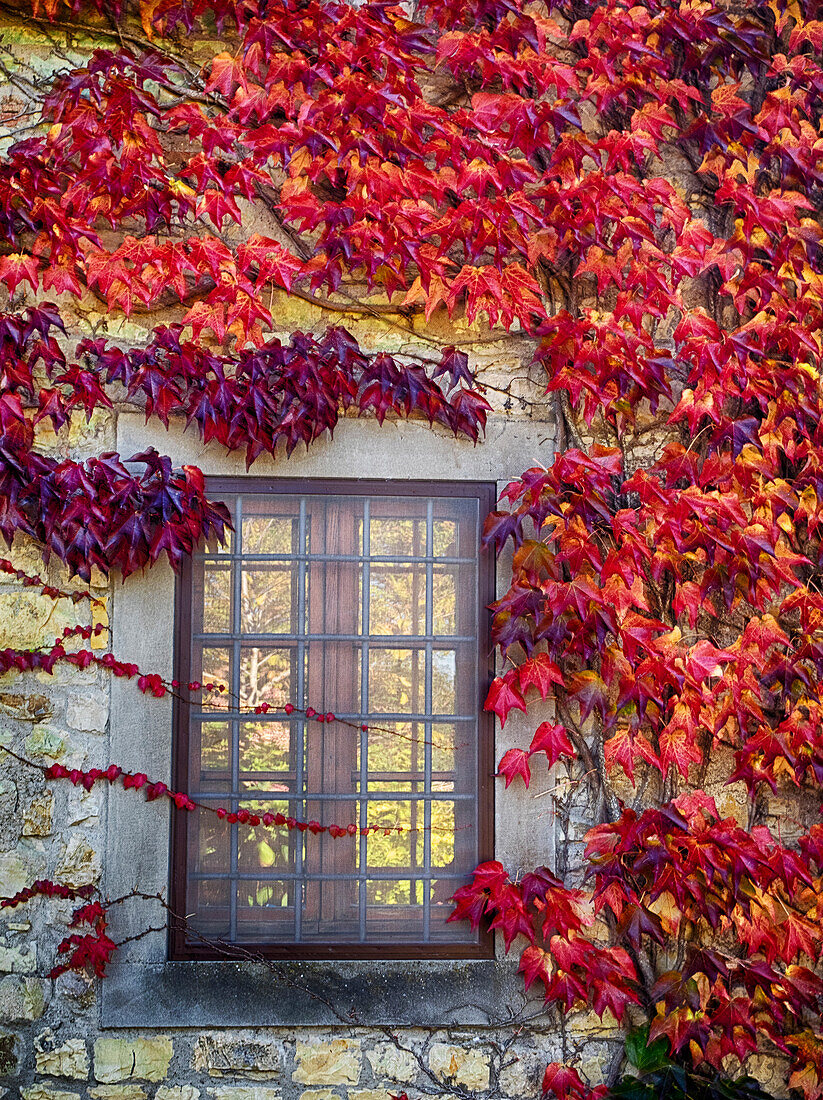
(364, 449)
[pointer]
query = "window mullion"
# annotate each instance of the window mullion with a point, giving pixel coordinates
(300, 723)
(364, 734)
(427, 747)
(236, 615)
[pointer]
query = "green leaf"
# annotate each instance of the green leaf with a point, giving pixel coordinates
(644, 1056)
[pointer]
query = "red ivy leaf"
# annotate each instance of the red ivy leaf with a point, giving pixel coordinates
(553, 741)
(515, 762)
(503, 696)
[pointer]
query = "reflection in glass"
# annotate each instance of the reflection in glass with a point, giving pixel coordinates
(444, 602)
(265, 676)
(268, 534)
(217, 599)
(267, 600)
(265, 747)
(263, 850)
(444, 681)
(213, 852)
(397, 599)
(396, 537)
(214, 746)
(396, 681)
(216, 669)
(445, 538)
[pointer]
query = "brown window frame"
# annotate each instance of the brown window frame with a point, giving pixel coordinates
(180, 947)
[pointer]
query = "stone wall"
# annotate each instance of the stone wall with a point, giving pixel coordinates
(274, 1065)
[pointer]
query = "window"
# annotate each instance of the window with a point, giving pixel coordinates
(368, 601)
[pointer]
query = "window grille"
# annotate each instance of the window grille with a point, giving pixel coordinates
(368, 602)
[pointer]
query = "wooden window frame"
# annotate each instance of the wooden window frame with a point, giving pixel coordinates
(180, 948)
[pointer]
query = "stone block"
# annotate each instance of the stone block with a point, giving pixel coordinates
(369, 1094)
(68, 1059)
(319, 1094)
(45, 1092)
(466, 1067)
(245, 1092)
(222, 1055)
(21, 999)
(99, 617)
(76, 987)
(25, 553)
(396, 1065)
(18, 960)
(80, 864)
(83, 806)
(119, 1059)
(37, 816)
(9, 796)
(177, 1092)
(87, 712)
(25, 708)
(45, 741)
(117, 1092)
(28, 620)
(328, 1063)
(517, 1081)
(18, 869)
(9, 1053)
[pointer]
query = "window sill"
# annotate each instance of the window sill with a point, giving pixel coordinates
(439, 992)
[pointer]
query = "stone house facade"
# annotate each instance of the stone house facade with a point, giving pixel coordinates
(162, 1028)
(278, 1029)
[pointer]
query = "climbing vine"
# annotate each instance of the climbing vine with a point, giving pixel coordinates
(634, 188)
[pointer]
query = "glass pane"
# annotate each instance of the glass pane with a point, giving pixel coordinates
(442, 835)
(265, 748)
(262, 850)
(388, 892)
(265, 676)
(397, 537)
(268, 534)
(214, 746)
(210, 905)
(216, 669)
(393, 852)
(444, 602)
(394, 912)
(450, 744)
(212, 854)
(397, 681)
(265, 910)
(445, 538)
(397, 599)
(268, 600)
(217, 599)
(397, 747)
(331, 911)
(444, 681)
(441, 908)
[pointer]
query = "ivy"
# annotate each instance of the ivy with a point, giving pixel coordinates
(634, 190)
